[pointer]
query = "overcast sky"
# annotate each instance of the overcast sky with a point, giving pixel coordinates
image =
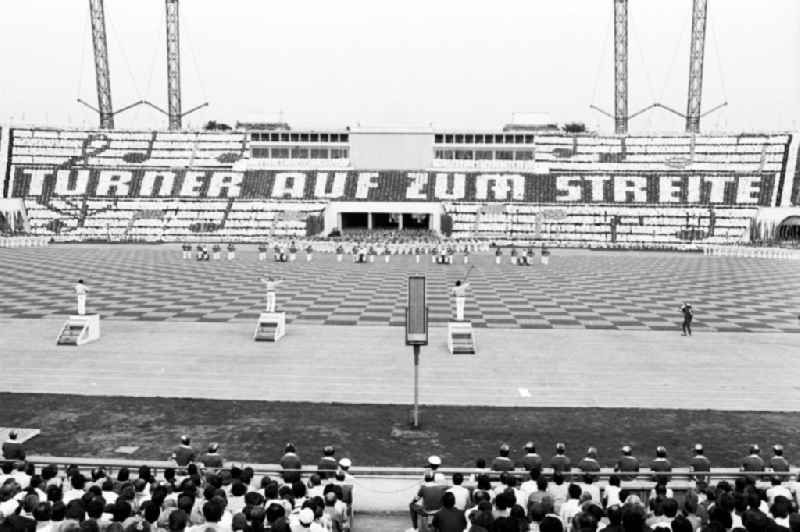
(453, 63)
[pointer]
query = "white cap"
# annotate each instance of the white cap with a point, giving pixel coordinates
(306, 516)
(345, 463)
(434, 460)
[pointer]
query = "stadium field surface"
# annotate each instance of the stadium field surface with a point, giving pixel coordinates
(578, 289)
(379, 435)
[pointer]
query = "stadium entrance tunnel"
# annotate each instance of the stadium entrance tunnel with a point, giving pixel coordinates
(354, 220)
(789, 229)
(385, 220)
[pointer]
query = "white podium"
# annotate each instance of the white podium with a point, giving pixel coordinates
(271, 327)
(545, 259)
(460, 338)
(79, 330)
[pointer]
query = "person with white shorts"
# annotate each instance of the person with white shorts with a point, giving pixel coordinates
(459, 291)
(80, 291)
(271, 284)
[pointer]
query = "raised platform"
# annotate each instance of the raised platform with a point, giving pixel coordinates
(362, 364)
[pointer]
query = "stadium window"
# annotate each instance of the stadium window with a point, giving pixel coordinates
(483, 155)
(523, 155)
(438, 138)
(261, 153)
(478, 139)
(498, 139)
(509, 139)
(299, 153)
(303, 137)
(280, 153)
(334, 137)
(323, 137)
(448, 154)
(464, 155)
(295, 137)
(319, 153)
(459, 139)
(313, 137)
(518, 139)
(528, 139)
(274, 137)
(469, 139)
(255, 137)
(448, 139)
(504, 155)
(284, 137)
(343, 137)
(338, 153)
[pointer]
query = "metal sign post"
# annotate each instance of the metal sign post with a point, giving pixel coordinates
(416, 331)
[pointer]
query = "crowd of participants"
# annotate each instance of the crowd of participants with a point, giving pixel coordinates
(517, 496)
(201, 493)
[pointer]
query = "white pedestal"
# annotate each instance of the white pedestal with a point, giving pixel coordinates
(339, 258)
(79, 330)
(231, 255)
(271, 327)
(386, 257)
(372, 258)
(262, 256)
(497, 259)
(216, 255)
(545, 259)
(460, 338)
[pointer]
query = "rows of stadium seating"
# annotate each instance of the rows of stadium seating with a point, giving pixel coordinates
(702, 153)
(593, 224)
(746, 152)
(124, 148)
(168, 219)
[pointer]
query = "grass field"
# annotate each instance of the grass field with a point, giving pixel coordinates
(255, 431)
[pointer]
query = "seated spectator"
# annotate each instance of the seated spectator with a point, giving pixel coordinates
(327, 464)
(571, 507)
(460, 493)
(291, 465)
(428, 498)
(184, 453)
(211, 459)
(449, 518)
(502, 462)
(13, 449)
(558, 491)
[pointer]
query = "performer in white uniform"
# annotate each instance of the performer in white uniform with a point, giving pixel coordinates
(271, 285)
(80, 291)
(460, 293)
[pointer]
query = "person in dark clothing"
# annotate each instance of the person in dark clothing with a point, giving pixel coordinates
(449, 518)
(688, 315)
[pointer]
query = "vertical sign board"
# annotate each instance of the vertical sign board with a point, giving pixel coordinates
(416, 312)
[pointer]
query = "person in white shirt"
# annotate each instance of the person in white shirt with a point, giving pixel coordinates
(571, 506)
(459, 291)
(460, 493)
(271, 285)
(80, 291)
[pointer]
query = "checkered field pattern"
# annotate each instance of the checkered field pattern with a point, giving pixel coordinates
(578, 289)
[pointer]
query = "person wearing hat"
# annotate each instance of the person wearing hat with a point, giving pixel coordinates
(13, 449)
(184, 454)
(290, 463)
(327, 464)
(660, 463)
(753, 462)
(627, 463)
(589, 463)
(502, 462)
(560, 461)
(699, 462)
(531, 460)
(433, 465)
(688, 315)
(344, 468)
(778, 462)
(211, 459)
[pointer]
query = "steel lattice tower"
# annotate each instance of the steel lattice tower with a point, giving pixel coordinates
(102, 74)
(173, 65)
(696, 54)
(621, 66)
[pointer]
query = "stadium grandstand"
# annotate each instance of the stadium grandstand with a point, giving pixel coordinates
(544, 277)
